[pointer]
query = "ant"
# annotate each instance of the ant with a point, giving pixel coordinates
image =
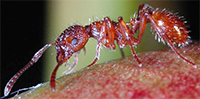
(167, 26)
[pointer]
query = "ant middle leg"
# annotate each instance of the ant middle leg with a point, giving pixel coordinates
(129, 36)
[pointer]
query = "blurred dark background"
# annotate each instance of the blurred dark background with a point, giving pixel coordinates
(22, 34)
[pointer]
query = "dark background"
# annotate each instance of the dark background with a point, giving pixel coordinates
(22, 34)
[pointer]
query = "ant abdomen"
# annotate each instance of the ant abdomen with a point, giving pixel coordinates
(170, 26)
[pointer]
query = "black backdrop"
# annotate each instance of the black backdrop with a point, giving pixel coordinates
(22, 33)
(22, 36)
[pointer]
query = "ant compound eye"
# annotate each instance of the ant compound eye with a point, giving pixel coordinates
(74, 41)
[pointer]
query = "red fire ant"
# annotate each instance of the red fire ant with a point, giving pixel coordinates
(166, 25)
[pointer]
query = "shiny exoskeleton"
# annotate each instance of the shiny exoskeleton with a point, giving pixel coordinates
(167, 26)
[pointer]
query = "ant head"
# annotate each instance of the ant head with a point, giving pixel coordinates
(71, 40)
(171, 26)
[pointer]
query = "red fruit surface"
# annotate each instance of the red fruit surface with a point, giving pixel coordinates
(163, 75)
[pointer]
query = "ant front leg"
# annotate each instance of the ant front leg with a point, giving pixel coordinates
(97, 54)
(71, 68)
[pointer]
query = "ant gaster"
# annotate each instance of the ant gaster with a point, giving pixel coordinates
(167, 26)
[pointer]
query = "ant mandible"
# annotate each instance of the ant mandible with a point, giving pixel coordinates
(166, 25)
